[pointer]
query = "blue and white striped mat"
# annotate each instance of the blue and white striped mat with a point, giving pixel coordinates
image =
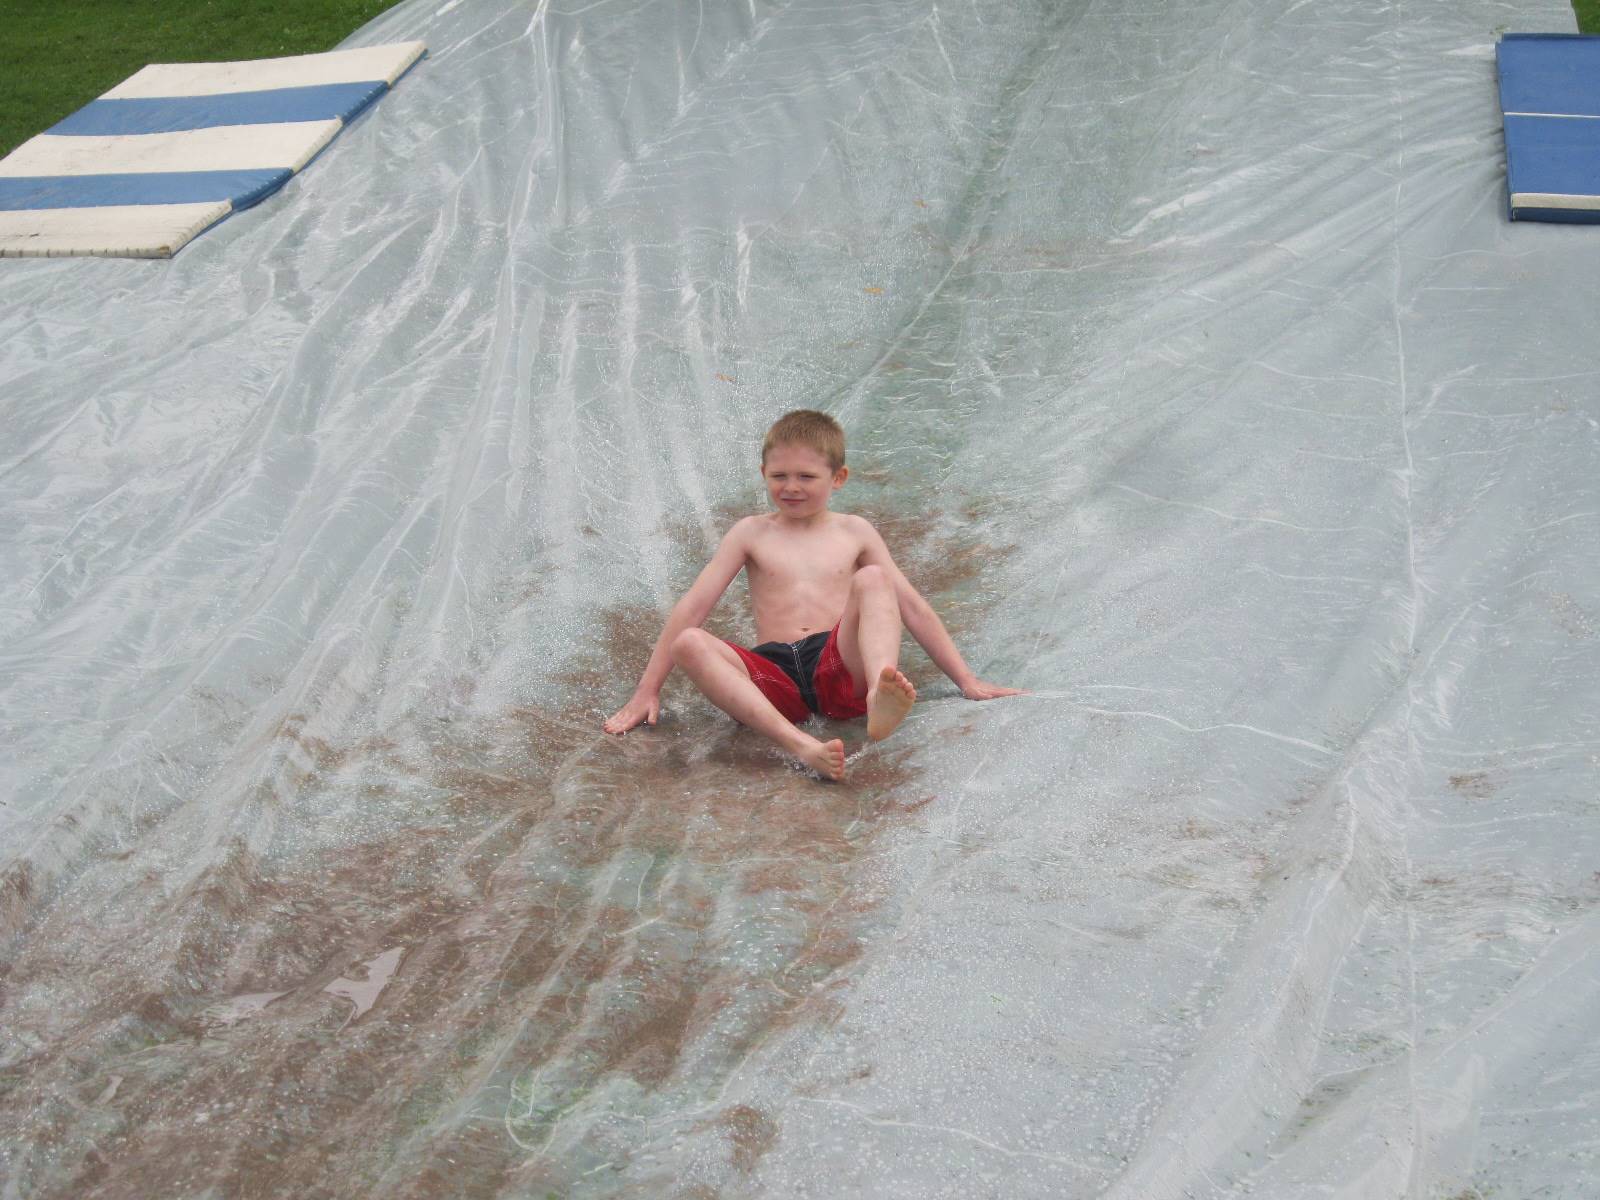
(176, 147)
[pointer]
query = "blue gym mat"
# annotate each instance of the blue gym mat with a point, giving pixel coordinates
(177, 147)
(1550, 98)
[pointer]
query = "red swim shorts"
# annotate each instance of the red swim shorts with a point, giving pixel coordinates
(804, 677)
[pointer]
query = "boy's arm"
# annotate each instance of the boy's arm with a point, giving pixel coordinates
(924, 624)
(688, 613)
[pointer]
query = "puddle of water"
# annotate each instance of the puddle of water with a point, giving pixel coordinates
(363, 993)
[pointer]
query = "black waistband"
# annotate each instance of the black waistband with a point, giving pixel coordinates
(798, 660)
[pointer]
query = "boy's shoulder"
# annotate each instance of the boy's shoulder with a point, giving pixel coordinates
(851, 523)
(747, 526)
(855, 522)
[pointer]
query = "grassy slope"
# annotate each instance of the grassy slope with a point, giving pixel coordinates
(92, 45)
(89, 46)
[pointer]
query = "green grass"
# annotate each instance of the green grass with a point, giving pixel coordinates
(92, 45)
(57, 55)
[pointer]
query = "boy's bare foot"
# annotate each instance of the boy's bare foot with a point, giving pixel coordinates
(825, 758)
(888, 702)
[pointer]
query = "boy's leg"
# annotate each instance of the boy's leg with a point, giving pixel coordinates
(722, 679)
(869, 643)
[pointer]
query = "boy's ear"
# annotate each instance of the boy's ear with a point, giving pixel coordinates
(839, 477)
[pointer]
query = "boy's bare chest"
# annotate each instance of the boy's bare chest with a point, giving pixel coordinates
(824, 560)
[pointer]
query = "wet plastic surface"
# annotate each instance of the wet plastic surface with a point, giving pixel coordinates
(1193, 370)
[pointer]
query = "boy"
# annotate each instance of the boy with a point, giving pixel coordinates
(829, 606)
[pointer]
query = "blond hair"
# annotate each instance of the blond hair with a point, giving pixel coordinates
(811, 429)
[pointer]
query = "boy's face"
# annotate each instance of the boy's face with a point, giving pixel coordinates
(800, 481)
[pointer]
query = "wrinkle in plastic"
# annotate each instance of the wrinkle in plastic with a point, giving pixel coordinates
(1189, 365)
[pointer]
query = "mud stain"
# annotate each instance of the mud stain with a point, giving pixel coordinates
(1476, 785)
(589, 932)
(16, 897)
(751, 1133)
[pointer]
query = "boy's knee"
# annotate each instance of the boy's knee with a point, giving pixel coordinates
(870, 577)
(688, 645)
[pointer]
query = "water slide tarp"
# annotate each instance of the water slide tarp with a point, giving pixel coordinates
(1550, 93)
(176, 147)
(1190, 366)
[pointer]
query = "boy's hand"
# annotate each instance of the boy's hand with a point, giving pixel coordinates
(639, 708)
(979, 690)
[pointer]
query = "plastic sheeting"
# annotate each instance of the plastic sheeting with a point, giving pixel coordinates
(1191, 367)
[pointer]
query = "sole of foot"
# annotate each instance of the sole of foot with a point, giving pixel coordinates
(888, 703)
